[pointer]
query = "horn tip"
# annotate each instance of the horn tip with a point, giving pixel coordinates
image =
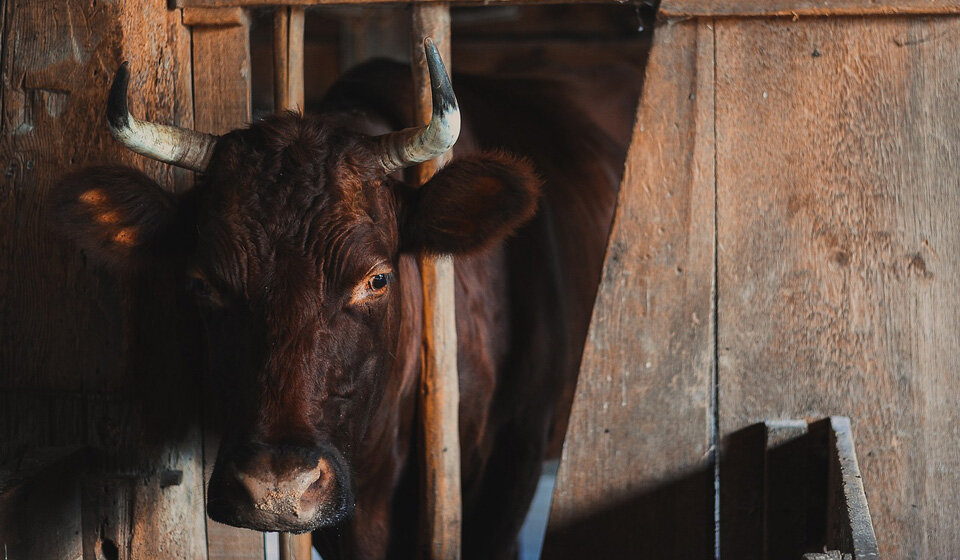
(117, 113)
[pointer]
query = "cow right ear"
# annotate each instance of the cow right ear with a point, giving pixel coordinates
(119, 216)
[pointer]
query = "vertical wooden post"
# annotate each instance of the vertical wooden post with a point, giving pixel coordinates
(295, 547)
(288, 94)
(221, 99)
(439, 384)
(288, 57)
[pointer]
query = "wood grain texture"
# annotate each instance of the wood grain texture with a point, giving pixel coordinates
(797, 8)
(294, 547)
(214, 17)
(839, 266)
(87, 356)
(221, 84)
(288, 58)
(634, 478)
(439, 382)
(221, 77)
(255, 3)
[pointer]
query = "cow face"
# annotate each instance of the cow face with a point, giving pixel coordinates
(290, 246)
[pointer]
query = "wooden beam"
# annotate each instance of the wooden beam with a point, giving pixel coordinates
(295, 547)
(221, 75)
(288, 58)
(635, 478)
(439, 384)
(798, 8)
(670, 8)
(288, 95)
(214, 17)
(281, 62)
(260, 3)
(221, 98)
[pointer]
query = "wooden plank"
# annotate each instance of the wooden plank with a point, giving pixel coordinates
(221, 76)
(75, 338)
(214, 17)
(295, 57)
(839, 267)
(257, 3)
(288, 58)
(439, 383)
(294, 547)
(221, 83)
(281, 63)
(40, 506)
(635, 476)
(798, 8)
(670, 8)
(851, 507)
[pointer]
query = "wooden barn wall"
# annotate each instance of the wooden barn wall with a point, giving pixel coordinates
(635, 478)
(88, 356)
(830, 147)
(838, 192)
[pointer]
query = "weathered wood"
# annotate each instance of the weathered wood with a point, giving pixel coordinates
(635, 479)
(295, 57)
(214, 17)
(281, 64)
(288, 58)
(40, 504)
(85, 353)
(221, 76)
(849, 506)
(797, 8)
(839, 267)
(439, 383)
(221, 83)
(294, 547)
(254, 3)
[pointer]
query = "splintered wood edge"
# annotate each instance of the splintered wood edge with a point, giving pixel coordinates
(861, 525)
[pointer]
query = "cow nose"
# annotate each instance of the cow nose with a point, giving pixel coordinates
(281, 488)
(288, 484)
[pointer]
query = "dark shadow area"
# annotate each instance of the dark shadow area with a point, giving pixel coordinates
(673, 520)
(776, 492)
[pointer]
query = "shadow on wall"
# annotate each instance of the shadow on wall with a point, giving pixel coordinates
(782, 495)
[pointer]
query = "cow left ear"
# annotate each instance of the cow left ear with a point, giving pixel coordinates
(470, 205)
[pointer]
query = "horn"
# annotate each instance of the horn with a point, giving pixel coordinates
(416, 145)
(170, 144)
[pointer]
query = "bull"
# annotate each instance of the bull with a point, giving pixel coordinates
(298, 245)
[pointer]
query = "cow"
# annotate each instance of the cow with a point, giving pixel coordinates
(298, 245)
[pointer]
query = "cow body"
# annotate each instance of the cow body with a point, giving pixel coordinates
(301, 254)
(522, 307)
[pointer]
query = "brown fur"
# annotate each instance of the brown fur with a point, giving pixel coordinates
(280, 238)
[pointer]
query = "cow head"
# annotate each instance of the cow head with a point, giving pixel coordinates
(290, 244)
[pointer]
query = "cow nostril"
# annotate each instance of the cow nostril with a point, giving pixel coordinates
(299, 494)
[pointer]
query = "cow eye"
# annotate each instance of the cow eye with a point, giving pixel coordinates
(378, 282)
(373, 286)
(198, 287)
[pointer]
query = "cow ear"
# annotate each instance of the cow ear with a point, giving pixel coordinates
(118, 215)
(471, 204)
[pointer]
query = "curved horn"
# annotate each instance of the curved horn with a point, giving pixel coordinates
(416, 145)
(170, 144)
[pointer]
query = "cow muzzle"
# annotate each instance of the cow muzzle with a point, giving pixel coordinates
(280, 488)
